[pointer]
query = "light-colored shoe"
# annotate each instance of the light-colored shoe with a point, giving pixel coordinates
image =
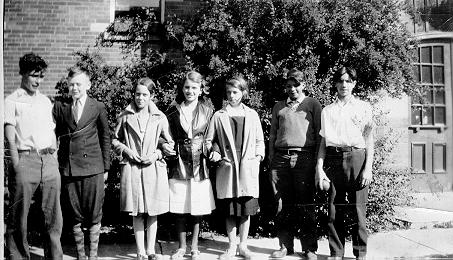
(229, 253)
(179, 254)
(309, 255)
(245, 252)
(195, 254)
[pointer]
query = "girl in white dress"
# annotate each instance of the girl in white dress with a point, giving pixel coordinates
(191, 194)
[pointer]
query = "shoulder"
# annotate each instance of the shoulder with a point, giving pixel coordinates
(172, 109)
(251, 111)
(362, 103)
(279, 105)
(203, 106)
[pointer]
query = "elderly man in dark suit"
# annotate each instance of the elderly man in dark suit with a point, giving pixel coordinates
(84, 159)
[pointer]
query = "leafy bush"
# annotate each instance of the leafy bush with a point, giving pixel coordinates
(261, 39)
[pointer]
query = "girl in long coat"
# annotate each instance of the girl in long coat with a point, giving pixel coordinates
(144, 183)
(236, 134)
(191, 194)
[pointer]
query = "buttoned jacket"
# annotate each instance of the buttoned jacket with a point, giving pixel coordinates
(84, 147)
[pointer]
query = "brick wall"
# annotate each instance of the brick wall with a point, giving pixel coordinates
(54, 30)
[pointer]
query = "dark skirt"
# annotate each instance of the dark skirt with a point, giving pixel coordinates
(242, 206)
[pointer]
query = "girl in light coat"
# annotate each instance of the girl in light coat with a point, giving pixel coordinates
(239, 148)
(144, 184)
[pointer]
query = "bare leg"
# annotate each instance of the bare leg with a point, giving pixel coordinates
(181, 229)
(231, 231)
(196, 232)
(139, 232)
(151, 231)
(244, 227)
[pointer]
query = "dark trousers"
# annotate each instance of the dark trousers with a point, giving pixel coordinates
(34, 174)
(83, 199)
(346, 199)
(292, 178)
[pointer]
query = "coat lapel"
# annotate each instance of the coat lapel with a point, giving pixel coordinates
(131, 120)
(68, 116)
(247, 127)
(151, 134)
(225, 122)
(87, 113)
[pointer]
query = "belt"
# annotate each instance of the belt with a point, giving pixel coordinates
(295, 150)
(341, 149)
(44, 151)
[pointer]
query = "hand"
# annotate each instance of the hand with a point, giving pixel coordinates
(132, 156)
(366, 177)
(106, 175)
(168, 149)
(259, 158)
(215, 156)
(320, 176)
(150, 159)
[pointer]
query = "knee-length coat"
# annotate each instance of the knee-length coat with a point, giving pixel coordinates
(245, 168)
(143, 187)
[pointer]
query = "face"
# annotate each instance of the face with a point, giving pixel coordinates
(345, 86)
(191, 90)
(32, 80)
(142, 96)
(234, 95)
(294, 89)
(78, 85)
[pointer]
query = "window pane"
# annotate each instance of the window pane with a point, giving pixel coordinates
(428, 96)
(427, 118)
(438, 74)
(439, 95)
(417, 73)
(416, 115)
(426, 55)
(440, 115)
(426, 74)
(438, 54)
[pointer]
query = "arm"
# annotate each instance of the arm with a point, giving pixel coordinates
(317, 109)
(367, 173)
(212, 148)
(10, 135)
(320, 174)
(259, 138)
(104, 137)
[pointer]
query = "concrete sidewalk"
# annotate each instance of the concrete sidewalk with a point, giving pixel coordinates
(402, 244)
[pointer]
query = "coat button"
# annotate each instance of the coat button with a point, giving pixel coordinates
(85, 155)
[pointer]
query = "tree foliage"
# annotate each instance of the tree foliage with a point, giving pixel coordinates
(261, 39)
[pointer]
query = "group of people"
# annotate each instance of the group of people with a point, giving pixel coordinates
(165, 158)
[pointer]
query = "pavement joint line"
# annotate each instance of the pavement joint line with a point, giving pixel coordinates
(420, 243)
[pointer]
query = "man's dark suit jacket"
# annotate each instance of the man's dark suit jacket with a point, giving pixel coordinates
(84, 147)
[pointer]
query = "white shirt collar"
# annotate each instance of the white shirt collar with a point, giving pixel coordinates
(83, 100)
(298, 100)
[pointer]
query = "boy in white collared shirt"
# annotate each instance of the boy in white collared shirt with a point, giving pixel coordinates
(345, 159)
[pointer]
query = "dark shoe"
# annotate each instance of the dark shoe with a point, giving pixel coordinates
(153, 257)
(282, 252)
(310, 255)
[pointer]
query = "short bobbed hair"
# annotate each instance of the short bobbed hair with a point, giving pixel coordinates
(147, 82)
(31, 62)
(192, 76)
(238, 82)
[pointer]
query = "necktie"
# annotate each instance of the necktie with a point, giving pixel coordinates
(77, 110)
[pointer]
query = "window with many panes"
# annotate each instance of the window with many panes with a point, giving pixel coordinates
(429, 110)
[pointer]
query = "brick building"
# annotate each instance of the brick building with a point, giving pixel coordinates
(55, 29)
